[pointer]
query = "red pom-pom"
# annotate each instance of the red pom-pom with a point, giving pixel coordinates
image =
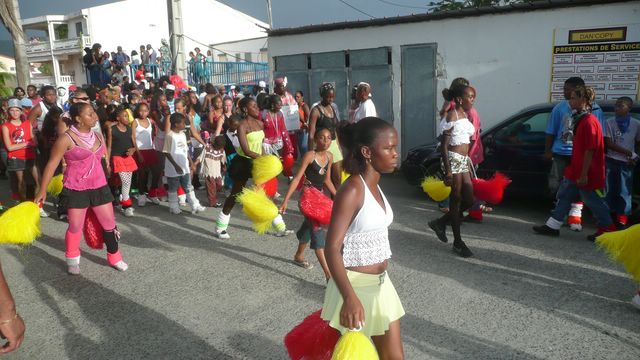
(312, 339)
(270, 187)
(315, 205)
(287, 165)
(93, 231)
(491, 190)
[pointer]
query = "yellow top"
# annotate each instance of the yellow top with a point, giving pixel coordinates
(254, 139)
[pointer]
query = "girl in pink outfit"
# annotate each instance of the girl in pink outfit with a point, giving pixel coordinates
(85, 185)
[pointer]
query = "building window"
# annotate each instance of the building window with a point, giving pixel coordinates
(78, 28)
(13, 68)
(222, 57)
(238, 58)
(247, 57)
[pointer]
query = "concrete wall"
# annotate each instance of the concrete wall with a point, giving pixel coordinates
(242, 47)
(129, 24)
(506, 57)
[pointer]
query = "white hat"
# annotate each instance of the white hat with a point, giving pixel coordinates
(262, 84)
(148, 75)
(233, 87)
(171, 87)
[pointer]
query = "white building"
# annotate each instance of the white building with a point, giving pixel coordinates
(507, 53)
(9, 66)
(129, 24)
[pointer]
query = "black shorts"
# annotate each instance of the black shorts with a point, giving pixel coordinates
(73, 199)
(240, 169)
(15, 164)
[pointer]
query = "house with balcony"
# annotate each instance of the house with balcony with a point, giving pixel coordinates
(59, 50)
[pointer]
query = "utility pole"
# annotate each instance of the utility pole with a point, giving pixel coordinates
(176, 40)
(10, 14)
(269, 15)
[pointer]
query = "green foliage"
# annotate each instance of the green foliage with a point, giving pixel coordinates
(448, 5)
(46, 69)
(61, 31)
(5, 79)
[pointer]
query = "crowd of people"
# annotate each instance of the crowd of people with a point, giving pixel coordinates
(127, 147)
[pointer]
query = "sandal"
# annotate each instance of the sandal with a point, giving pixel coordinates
(444, 209)
(486, 209)
(303, 264)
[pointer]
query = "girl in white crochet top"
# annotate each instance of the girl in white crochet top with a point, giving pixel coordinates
(360, 294)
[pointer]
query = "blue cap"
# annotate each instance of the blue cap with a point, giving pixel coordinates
(26, 102)
(15, 103)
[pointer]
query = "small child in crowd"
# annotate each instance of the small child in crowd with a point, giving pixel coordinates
(622, 138)
(121, 145)
(316, 170)
(178, 165)
(214, 163)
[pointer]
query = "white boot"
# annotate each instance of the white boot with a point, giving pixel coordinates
(195, 203)
(174, 207)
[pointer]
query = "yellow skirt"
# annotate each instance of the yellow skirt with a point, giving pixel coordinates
(334, 149)
(378, 297)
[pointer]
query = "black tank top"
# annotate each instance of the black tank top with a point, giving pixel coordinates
(327, 122)
(316, 174)
(120, 141)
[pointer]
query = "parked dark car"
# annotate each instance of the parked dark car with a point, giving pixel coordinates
(514, 146)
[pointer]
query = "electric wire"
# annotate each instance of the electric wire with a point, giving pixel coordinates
(356, 9)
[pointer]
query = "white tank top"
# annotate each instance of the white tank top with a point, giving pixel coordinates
(144, 136)
(367, 239)
(43, 114)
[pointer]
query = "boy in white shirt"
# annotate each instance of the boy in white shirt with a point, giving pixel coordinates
(366, 107)
(178, 165)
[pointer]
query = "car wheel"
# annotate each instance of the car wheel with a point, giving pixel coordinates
(433, 169)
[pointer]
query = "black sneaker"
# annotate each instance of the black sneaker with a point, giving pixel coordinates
(462, 250)
(439, 229)
(593, 237)
(545, 230)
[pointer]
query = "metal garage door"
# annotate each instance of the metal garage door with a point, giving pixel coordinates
(374, 67)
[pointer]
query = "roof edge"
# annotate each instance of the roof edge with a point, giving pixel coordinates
(466, 12)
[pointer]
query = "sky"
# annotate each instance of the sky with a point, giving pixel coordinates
(286, 13)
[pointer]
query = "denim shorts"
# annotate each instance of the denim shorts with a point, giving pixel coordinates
(15, 164)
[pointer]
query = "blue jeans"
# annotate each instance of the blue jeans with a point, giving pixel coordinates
(303, 135)
(183, 180)
(619, 186)
(567, 194)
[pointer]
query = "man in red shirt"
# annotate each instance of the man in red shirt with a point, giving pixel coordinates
(585, 174)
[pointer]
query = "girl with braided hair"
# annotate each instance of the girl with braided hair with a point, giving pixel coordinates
(325, 115)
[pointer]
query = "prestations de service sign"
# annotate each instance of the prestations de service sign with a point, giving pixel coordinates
(607, 58)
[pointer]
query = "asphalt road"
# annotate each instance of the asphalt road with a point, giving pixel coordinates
(188, 295)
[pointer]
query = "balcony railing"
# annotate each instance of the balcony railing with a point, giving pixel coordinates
(59, 46)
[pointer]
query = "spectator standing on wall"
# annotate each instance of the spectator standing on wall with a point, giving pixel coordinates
(144, 55)
(135, 58)
(366, 108)
(152, 54)
(121, 58)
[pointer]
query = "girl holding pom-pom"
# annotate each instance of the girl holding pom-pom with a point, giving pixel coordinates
(360, 293)
(85, 185)
(316, 169)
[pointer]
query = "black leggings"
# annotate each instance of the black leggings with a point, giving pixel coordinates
(461, 199)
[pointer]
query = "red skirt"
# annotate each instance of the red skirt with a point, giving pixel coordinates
(123, 164)
(149, 158)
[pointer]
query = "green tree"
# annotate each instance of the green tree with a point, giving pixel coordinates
(46, 69)
(448, 5)
(6, 79)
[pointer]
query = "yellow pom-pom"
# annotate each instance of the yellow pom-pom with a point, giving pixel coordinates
(55, 185)
(265, 168)
(354, 345)
(344, 176)
(20, 224)
(258, 208)
(435, 188)
(624, 247)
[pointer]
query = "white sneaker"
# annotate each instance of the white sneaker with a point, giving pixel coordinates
(121, 266)
(175, 211)
(153, 200)
(182, 203)
(277, 195)
(197, 209)
(142, 200)
(75, 270)
(636, 301)
(284, 232)
(575, 227)
(43, 214)
(221, 234)
(128, 212)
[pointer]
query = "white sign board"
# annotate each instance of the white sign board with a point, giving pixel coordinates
(291, 117)
(608, 59)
